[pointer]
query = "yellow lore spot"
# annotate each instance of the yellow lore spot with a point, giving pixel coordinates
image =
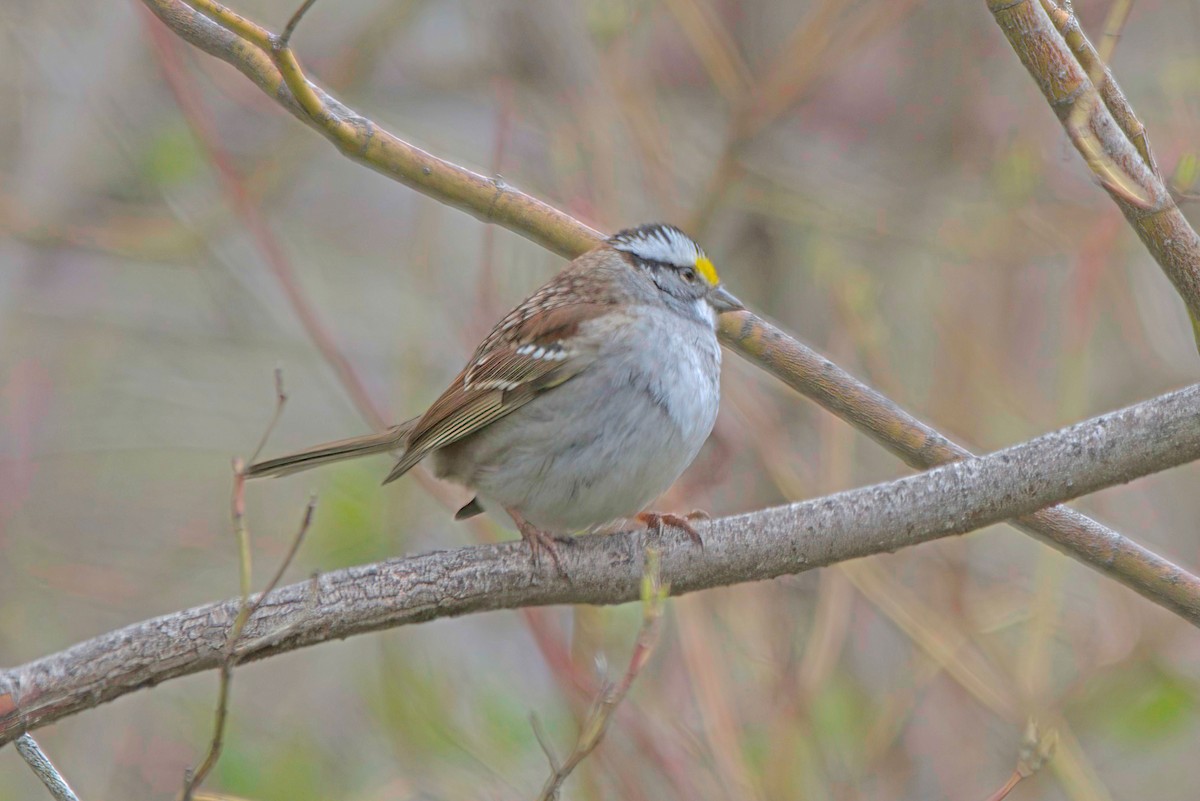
(705, 267)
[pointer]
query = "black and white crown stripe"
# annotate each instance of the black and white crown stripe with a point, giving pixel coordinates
(658, 242)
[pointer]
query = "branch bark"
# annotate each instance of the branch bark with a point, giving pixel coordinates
(953, 499)
(360, 139)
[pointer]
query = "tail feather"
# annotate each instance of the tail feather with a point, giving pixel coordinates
(330, 452)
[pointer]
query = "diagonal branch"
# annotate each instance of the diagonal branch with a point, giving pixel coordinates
(922, 446)
(362, 140)
(1103, 129)
(45, 770)
(774, 350)
(953, 499)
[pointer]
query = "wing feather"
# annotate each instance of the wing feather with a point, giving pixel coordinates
(528, 352)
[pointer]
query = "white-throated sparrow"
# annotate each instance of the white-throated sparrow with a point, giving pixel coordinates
(584, 403)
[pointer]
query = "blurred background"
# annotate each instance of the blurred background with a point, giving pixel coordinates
(882, 179)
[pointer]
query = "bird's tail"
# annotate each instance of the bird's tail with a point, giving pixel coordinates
(330, 452)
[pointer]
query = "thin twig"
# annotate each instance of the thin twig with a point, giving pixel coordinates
(309, 511)
(32, 753)
(194, 778)
(654, 594)
(1112, 176)
(286, 37)
(1006, 788)
(246, 609)
(540, 736)
(1114, 25)
(280, 402)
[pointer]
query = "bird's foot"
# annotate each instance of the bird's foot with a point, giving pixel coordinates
(540, 541)
(658, 521)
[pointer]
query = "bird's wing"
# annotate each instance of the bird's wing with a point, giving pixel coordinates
(532, 350)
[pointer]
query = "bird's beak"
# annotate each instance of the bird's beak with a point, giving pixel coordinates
(723, 300)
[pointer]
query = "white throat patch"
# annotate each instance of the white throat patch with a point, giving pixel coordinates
(664, 243)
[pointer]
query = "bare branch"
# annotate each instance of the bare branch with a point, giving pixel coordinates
(194, 778)
(1068, 25)
(591, 731)
(32, 753)
(280, 402)
(922, 446)
(361, 140)
(286, 38)
(246, 46)
(1013, 779)
(1113, 146)
(953, 499)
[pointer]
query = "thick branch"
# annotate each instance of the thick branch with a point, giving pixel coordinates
(772, 349)
(953, 499)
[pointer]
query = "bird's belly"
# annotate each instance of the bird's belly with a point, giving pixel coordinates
(599, 448)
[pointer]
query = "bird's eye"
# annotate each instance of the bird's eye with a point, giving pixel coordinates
(688, 275)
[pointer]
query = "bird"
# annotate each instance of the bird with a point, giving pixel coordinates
(585, 402)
